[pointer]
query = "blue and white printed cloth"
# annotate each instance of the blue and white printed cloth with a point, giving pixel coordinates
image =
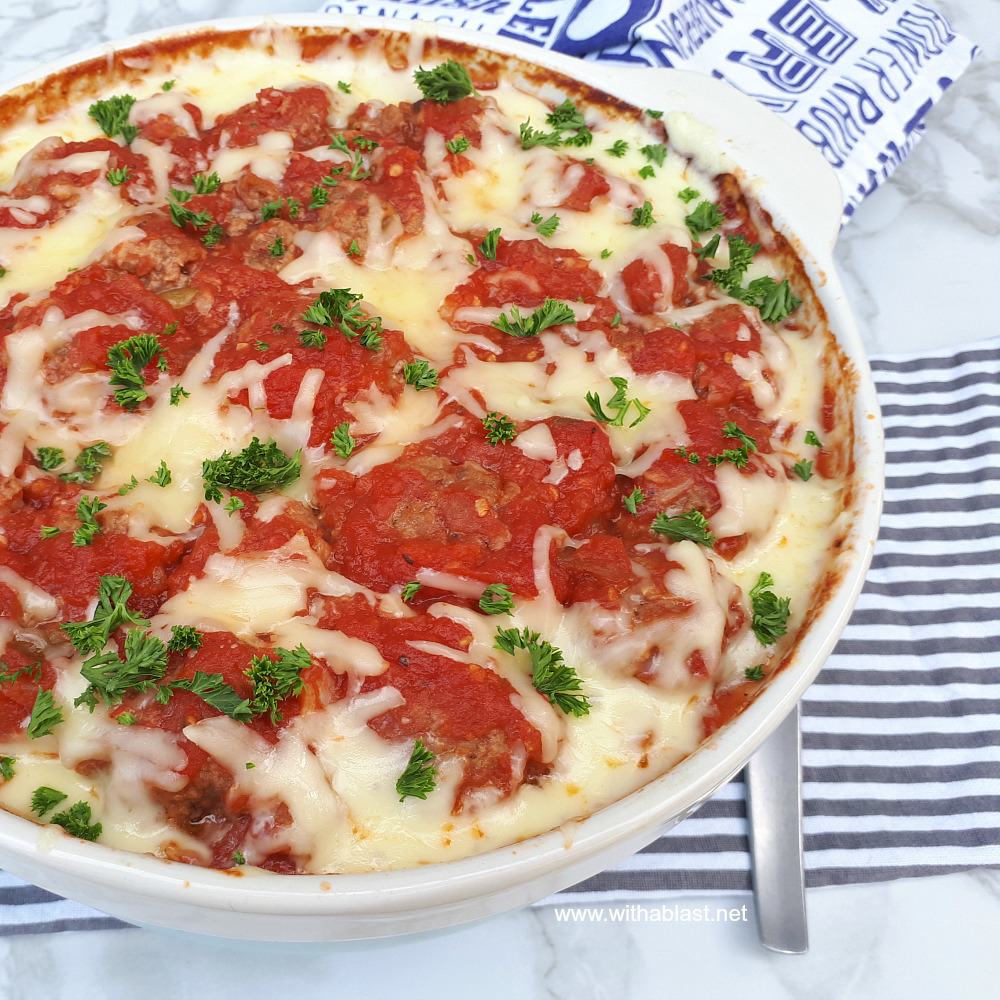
(901, 731)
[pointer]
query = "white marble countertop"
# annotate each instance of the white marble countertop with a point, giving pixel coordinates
(918, 258)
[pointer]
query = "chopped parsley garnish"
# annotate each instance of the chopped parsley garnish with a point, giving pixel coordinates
(619, 403)
(127, 360)
(239, 858)
(7, 768)
(162, 477)
(531, 137)
(270, 209)
(770, 612)
(233, 504)
(319, 196)
(343, 443)
(343, 87)
(113, 593)
(126, 488)
(420, 375)
(260, 345)
(409, 591)
(87, 509)
(688, 195)
(655, 153)
(177, 393)
(549, 313)
(111, 678)
(654, 114)
(125, 719)
(183, 637)
(618, 148)
(775, 299)
(642, 217)
(646, 172)
(206, 183)
(605, 253)
(803, 470)
(633, 500)
(563, 118)
(274, 680)
(353, 250)
(49, 531)
(358, 171)
(214, 691)
(811, 438)
(691, 527)
(499, 428)
(419, 777)
(214, 234)
(88, 463)
(496, 599)
(551, 676)
(444, 84)
(52, 458)
(258, 468)
(181, 215)
(488, 247)
(738, 456)
(116, 176)
(45, 799)
(457, 145)
(545, 227)
(616, 320)
(692, 456)
(567, 118)
(277, 248)
(741, 255)
(45, 715)
(167, 85)
(338, 307)
(706, 216)
(754, 673)
(77, 821)
(710, 249)
(313, 338)
(111, 116)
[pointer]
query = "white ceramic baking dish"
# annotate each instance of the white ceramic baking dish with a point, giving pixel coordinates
(791, 180)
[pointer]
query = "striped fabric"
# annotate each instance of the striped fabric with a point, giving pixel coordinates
(901, 730)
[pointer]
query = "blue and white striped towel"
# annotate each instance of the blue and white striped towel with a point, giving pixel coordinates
(901, 730)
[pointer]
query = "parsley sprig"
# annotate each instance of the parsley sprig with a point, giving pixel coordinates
(111, 115)
(112, 611)
(276, 679)
(563, 118)
(420, 374)
(769, 612)
(338, 307)
(496, 599)
(45, 715)
(127, 361)
(550, 313)
(258, 468)
(499, 428)
(691, 527)
(110, 677)
(88, 463)
(551, 676)
(619, 403)
(445, 83)
(419, 776)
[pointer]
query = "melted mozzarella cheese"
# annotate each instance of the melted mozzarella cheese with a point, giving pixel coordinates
(329, 771)
(557, 385)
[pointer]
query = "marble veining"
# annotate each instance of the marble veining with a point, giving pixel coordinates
(918, 259)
